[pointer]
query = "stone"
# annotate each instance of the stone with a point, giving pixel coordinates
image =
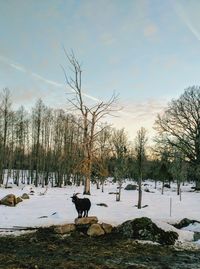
(184, 223)
(144, 229)
(86, 220)
(95, 230)
(19, 200)
(25, 196)
(131, 187)
(9, 200)
(107, 228)
(102, 204)
(196, 236)
(146, 189)
(82, 224)
(65, 229)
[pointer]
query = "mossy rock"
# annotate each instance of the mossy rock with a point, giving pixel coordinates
(184, 223)
(196, 236)
(19, 200)
(95, 230)
(25, 196)
(145, 229)
(131, 187)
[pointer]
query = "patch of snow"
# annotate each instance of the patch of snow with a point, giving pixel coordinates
(39, 209)
(184, 235)
(194, 227)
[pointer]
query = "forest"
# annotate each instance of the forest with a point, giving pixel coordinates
(47, 146)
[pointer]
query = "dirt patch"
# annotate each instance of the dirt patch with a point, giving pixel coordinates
(45, 250)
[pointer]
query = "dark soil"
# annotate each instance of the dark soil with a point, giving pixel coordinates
(44, 250)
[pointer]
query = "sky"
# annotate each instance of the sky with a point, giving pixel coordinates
(147, 51)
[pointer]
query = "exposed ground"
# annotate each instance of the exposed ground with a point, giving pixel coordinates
(45, 250)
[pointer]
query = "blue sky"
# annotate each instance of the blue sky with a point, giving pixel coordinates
(148, 51)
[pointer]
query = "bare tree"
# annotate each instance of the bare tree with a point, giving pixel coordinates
(103, 151)
(179, 169)
(91, 114)
(120, 143)
(37, 120)
(140, 148)
(179, 126)
(5, 112)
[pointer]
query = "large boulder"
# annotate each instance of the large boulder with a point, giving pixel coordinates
(19, 200)
(131, 187)
(65, 229)
(87, 220)
(82, 224)
(9, 200)
(107, 227)
(95, 230)
(145, 229)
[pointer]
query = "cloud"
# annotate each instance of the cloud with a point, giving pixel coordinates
(21, 68)
(188, 18)
(107, 39)
(51, 82)
(150, 30)
(17, 67)
(137, 114)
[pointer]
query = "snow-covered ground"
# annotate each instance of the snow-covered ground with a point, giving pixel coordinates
(55, 207)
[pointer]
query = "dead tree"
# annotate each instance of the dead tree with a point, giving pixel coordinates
(91, 114)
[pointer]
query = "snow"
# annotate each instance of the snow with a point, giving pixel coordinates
(55, 207)
(195, 227)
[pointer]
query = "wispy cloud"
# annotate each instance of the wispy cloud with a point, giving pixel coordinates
(150, 30)
(107, 39)
(183, 14)
(51, 82)
(17, 67)
(21, 68)
(138, 114)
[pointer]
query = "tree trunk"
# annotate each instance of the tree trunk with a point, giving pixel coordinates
(140, 193)
(87, 185)
(87, 178)
(163, 183)
(178, 187)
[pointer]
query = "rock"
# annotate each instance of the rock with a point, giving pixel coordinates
(19, 200)
(196, 236)
(146, 189)
(107, 227)
(184, 223)
(82, 224)
(144, 229)
(9, 200)
(87, 220)
(95, 230)
(131, 187)
(31, 191)
(25, 196)
(102, 204)
(65, 229)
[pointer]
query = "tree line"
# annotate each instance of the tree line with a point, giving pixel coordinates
(52, 146)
